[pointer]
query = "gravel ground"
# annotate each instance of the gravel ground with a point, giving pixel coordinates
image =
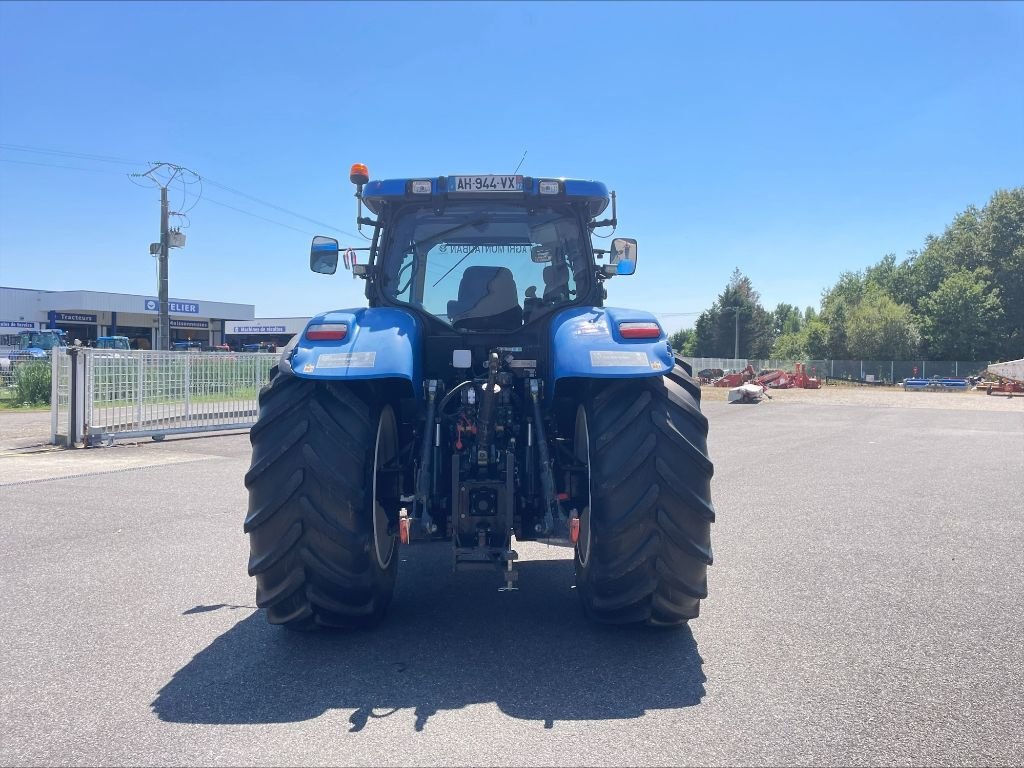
(23, 428)
(884, 397)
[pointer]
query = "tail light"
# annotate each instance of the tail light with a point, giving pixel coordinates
(327, 332)
(640, 330)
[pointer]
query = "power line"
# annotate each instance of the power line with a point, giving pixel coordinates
(255, 199)
(63, 153)
(54, 165)
(256, 216)
(197, 179)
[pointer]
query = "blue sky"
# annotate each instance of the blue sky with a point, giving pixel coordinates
(793, 141)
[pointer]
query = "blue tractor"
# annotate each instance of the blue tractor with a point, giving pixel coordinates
(486, 395)
(37, 345)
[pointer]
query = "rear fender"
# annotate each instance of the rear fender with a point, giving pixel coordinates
(586, 343)
(381, 343)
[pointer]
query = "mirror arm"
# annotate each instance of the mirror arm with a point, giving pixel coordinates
(366, 220)
(612, 222)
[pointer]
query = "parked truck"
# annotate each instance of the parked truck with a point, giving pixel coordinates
(486, 395)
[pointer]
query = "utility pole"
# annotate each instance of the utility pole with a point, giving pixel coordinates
(162, 249)
(735, 348)
(164, 333)
(736, 344)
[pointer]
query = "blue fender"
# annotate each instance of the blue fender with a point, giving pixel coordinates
(382, 343)
(585, 342)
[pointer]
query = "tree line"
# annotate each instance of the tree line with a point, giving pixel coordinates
(961, 297)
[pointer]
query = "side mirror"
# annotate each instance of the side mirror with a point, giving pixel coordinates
(623, 255)
(323, 255)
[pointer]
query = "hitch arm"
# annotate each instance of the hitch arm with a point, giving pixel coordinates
(547, 478)
(423, 476)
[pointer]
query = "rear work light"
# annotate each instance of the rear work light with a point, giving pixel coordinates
(640, 330)
(549, 187)
(421, 187)
(327, 332)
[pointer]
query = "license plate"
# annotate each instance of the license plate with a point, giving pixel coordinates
(485, 183)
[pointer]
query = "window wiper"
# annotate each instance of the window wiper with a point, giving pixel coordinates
(441, 235)
(442, 277)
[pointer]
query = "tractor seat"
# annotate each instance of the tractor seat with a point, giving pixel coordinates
(488, 301)
(556, 283)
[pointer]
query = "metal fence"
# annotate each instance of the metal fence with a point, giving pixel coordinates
(139, 393)
(60, 396)
(877, 371)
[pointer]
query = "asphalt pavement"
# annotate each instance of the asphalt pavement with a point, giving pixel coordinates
(867, 607)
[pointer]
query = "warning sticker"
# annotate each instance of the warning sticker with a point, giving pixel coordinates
(522, 364)
(347, 360)
(618, 359)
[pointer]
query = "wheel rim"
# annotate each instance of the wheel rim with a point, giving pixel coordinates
(385, 451)
(581, 447)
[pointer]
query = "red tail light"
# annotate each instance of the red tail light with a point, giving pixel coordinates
(640, 330)
(327, 332)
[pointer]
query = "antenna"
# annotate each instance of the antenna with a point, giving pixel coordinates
(520, 162)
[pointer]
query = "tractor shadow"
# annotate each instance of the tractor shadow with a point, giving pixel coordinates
(450, 640)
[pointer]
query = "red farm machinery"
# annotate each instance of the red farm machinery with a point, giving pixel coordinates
(1009, 379)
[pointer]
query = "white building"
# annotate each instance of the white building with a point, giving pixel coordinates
(87, 315)
(269, 331)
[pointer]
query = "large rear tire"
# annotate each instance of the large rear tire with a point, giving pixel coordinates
(322, 549)
(644, 542)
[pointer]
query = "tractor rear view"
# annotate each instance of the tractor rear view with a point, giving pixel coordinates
(486, 395)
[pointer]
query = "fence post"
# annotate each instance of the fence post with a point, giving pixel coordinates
(892, 371)
(188, 386)
(138, 393)
(923, 376)
(54, 397)
(76, 399)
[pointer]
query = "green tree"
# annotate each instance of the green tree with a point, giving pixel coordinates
(816, 340)
(789, 346)
(962, 318)
(684, 342)
(880, 329)
(837, 303)
(716, 327)
(1003, 239)
(787, 319)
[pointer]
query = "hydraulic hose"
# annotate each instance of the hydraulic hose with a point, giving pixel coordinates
(547, 479)
(486, 422)
(423, 478)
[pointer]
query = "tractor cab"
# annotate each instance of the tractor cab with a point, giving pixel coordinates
(112, 342)
(482, 253)
(37, 345)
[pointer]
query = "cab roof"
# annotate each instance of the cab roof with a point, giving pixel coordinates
(593, 193)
